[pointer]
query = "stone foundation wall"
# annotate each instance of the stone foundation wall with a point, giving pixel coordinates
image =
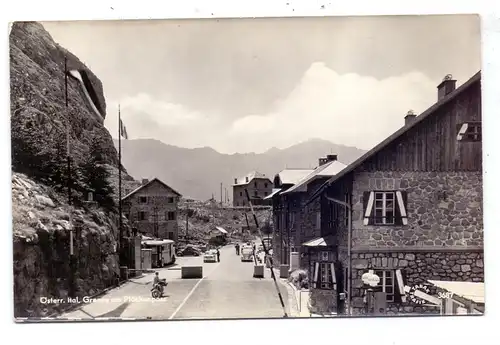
(417, 268)
(444, 209)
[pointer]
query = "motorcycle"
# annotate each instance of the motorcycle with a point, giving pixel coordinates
(158, 288)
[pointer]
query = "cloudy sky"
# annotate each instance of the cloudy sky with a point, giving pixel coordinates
(246, 85)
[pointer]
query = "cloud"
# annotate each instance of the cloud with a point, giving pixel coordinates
(346, 109)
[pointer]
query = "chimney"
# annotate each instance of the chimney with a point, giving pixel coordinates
(322, 161)
(447, 85)
(410, 117)
(246, 179)
(144, 181)
(235, 180)
(331, 158)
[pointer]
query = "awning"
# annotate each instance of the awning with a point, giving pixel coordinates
(469, 290)
(273, 193)
(221, 229)
(156, 242)
(320, 242)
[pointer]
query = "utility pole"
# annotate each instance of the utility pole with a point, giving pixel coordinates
(72, 262)
(266, 251)
(221, 194)
(187, 222)
(120, 231)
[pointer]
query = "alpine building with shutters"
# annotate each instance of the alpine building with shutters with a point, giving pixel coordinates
(413, 206)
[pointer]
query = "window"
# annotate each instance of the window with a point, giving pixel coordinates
(325, 275)
(237, 204)
(469, 131)
(241, 193)
(255, 184)
(324, 256)
(142, 215)
(265, 185)
(387, 283)
(170, 235)
(170, 200)
(385, 208)
(171, 215)
(256, 193)
(143, 200)
(265, 193)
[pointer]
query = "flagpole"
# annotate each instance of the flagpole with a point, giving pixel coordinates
(120, 186)
(71, 290)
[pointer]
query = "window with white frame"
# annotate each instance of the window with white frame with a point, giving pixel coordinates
(387, 283)
(385, 208)
(326, 275)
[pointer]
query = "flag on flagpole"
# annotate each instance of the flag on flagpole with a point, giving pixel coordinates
(123, 130)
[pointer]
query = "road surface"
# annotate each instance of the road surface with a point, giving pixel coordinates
(227, 290)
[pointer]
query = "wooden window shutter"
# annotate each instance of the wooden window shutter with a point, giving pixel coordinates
(462, 129)
(316, 273)
(334, 279)
(399, 293)
(368, 200)
(401, 213)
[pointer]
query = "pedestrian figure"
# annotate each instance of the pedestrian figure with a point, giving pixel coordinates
(218, 255)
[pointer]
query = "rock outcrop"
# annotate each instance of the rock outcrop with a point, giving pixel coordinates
(40, 214)
(41, 248)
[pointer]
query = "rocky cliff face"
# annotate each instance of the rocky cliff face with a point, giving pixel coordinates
(40, 216)
(38, 93)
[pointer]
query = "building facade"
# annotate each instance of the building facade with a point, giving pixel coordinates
(152, 209)
(282, 214)
(414, 208)
(258, 186)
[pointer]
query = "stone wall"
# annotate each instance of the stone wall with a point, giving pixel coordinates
(417, 268)
(444, 209)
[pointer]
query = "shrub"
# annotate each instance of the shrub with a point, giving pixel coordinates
(299, 278)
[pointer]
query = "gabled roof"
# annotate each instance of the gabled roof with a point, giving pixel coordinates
(326, 170)
(292, 176)
(429, 112)
(273, 193)
(242, 181)
(147, 184)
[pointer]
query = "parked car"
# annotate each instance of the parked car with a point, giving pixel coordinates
(210, 256)
(189, 251)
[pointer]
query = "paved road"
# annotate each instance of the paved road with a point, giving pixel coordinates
(227, 290)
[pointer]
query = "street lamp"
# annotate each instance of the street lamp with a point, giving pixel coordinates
(349, 245)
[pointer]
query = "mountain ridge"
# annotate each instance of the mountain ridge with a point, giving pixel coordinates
(198, 172)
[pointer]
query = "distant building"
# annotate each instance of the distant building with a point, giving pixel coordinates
(258, 186)
(152, 209)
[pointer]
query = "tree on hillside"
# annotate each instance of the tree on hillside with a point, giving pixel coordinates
(96, 176)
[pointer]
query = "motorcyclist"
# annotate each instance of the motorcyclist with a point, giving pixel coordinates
(158, 281)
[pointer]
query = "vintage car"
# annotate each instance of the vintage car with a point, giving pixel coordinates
(246, 253)
(210, 256)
